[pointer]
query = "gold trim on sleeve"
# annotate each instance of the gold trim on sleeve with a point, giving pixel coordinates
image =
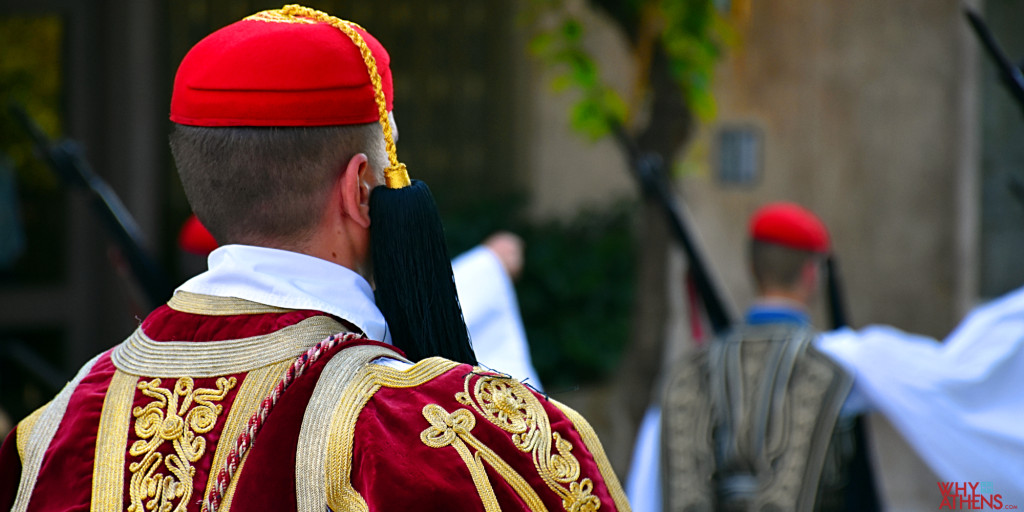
(24, 431)
(140, 355)
(311, 457)
(593, 444)
(340, 493)
(111, 440)
(42, 434)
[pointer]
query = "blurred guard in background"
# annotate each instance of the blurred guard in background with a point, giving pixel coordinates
(753, 420)
(270, 382)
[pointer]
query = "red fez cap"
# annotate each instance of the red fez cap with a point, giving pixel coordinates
(272, 69)
(789, 225)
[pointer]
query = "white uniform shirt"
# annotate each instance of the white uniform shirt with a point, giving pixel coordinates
(291, 280)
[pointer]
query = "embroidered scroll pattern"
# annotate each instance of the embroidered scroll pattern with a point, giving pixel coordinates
(454, 430)
(179, 416)
(509, 405)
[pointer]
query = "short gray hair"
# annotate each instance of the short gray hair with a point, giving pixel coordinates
(778, 266)
(267, 185)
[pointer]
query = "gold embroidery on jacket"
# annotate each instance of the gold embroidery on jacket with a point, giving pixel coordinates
(455, 430)
(508, 404)
(593, 444)
(171, 417)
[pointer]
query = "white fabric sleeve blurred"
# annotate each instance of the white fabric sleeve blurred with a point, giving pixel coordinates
(643, 485)
(492, 315)
(960, 403)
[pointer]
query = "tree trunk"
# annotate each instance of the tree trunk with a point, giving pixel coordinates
(670, 127)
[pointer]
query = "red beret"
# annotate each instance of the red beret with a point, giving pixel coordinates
(275, 70)
(195, 238)
(789, 225)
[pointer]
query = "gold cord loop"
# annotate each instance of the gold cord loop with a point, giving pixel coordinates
(396, 175)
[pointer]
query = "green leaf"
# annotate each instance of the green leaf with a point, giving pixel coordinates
(691, 34)
(614, 106)
(572, 30)
(588, 118)
(541, 44)
(583, 71)
(702, 102)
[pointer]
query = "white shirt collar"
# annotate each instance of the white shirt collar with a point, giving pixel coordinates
(291, 280)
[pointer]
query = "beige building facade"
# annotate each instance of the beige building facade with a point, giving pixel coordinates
(872, 114)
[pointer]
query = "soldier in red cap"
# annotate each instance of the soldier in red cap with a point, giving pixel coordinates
(281, 379)
(788, 246)
(752, 421)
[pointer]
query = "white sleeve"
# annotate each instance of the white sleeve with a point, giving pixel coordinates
(491, 311)
(643, 485)
(958, 403)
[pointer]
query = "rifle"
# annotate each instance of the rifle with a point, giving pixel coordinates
(1010, 75)
(649, 170)
(834, 289)
(861, 493)
(66, 159)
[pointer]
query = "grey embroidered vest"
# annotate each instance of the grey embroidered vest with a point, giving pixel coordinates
(751, 422)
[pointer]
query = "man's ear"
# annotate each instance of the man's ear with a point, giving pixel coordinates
(356, 185)
(810, 274)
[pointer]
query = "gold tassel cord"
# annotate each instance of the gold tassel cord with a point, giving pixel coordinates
(395, 175)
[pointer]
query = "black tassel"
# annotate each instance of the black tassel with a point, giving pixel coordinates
(415, 287)
(834, 289)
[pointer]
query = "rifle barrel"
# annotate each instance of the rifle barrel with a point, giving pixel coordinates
(68, 162)
(1011, 75)
(649, 170)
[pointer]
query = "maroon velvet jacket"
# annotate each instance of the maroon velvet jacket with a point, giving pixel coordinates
(148, 425)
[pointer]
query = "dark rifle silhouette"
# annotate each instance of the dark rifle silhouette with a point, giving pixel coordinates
(861, 493)
(1011, 76)
(66, 159)
(649, 170)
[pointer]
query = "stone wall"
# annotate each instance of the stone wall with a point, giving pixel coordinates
(868, 116)
(861, 107)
